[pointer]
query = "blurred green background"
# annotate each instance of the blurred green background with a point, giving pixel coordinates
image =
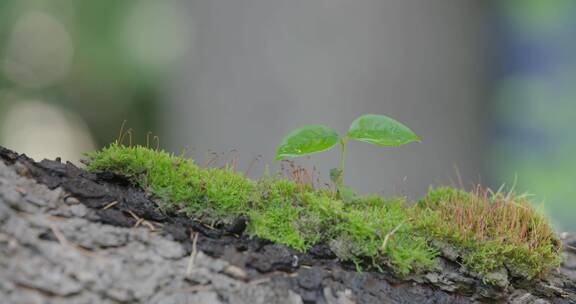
(534, 103)
(67, 70)
(491, 85)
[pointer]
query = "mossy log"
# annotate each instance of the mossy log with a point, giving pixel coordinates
(72, 236)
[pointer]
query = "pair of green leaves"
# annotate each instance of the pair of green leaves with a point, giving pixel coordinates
(374, 129)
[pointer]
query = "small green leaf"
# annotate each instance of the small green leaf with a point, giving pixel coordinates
(380, 130)
(336, 175)
(307, 140)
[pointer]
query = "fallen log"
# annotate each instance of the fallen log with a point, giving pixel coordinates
(71, 236)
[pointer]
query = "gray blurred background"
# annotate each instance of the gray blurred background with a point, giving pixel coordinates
(260, 68)
(469, 77)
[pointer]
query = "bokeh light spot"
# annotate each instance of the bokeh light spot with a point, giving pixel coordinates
(39, 51)
(43, 130)
(157, 33)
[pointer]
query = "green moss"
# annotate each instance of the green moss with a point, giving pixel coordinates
(215, 194)
(375, 228)
(321, 214)
(292, 214)
(276, 222)
(438, 195)
(275, 212)
(489, 231)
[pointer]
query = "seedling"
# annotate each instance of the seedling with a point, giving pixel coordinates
(374, 129)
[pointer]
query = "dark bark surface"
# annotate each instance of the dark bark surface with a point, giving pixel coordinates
(69, 236)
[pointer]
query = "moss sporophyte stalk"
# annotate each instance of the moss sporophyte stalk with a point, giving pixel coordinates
(489, 231)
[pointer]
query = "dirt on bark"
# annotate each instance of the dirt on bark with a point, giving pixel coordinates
(70, 236)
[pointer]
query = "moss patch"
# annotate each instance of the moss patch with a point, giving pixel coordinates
(382, 231)
(489, 232)
(209, 193)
